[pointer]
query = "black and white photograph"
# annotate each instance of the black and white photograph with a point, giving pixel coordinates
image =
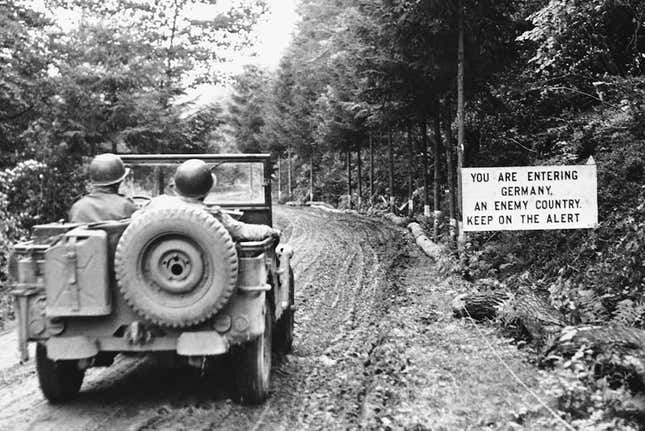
(415, 215)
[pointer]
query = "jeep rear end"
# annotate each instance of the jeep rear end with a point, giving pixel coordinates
(169, 295)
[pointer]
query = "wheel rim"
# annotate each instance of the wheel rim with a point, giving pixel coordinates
(175, 265)
(174, 270)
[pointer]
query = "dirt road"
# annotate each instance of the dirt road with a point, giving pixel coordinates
(375, 347)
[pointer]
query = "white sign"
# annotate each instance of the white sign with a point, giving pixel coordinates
(529, 197)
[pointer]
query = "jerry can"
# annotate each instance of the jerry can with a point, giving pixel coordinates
(77, 278)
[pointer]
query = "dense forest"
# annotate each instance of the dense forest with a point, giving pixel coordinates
(374, 105)
(378, 103)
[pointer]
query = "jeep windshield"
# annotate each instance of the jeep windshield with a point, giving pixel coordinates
(239, 179)
(243, 181)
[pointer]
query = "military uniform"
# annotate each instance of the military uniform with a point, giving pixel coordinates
(101, 204)
(104, 202)
(239, 231)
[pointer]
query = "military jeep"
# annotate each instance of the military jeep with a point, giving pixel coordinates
(165, 282)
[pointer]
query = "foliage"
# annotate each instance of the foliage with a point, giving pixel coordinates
(33, 192)
(110, 82)
(592, 403)
(187, 37)
(9, 231)
(581, 39)
(246, 109)
(25, 189)
(23, 62)
(547, 82)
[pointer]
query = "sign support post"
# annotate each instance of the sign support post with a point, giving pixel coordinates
(461, 238)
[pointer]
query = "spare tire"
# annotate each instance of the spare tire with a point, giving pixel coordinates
(176, 266)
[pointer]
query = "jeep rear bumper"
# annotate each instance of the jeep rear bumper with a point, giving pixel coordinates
(201, 343)
(241, 320)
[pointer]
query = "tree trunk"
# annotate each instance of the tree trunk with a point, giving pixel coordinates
(436, 197)
(311, 176)
(390, 168)
(399, 221)
(279, 178)
(289, 172)
(171, 46)
(479, 306)
(371, 139)
(349, 178)
(410, 170)
(424, 150)
(359, 166)
(450, 175)
(429, 247)
(533, 314)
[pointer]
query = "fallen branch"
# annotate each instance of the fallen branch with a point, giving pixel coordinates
(319, 204)
(525, 309)
(479, 306)
(428, 246)
(323, 206)
(534, 314)
(399, 221)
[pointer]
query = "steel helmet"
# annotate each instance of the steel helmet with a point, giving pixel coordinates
(107, 169)
(193, 179)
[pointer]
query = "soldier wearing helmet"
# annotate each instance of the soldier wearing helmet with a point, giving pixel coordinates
(104, 201)
(193, 181)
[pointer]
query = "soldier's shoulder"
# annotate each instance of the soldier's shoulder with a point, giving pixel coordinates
(81, 201)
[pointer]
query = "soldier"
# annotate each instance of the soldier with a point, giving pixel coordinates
(193, 180)
(104, 201)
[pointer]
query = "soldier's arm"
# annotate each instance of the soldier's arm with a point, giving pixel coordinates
(246, 231)
(129, 207)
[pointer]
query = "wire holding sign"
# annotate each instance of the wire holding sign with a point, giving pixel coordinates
(530, 198)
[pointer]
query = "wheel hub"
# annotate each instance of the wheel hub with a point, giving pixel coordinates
(175, 266)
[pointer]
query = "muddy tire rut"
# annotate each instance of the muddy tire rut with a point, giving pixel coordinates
(344, 268)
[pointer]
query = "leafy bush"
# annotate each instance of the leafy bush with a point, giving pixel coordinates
(33, 192)
(37, 193)
(592, 403)
(9, 231)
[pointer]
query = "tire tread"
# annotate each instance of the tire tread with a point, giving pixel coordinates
(125, 279)
(59, 381)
